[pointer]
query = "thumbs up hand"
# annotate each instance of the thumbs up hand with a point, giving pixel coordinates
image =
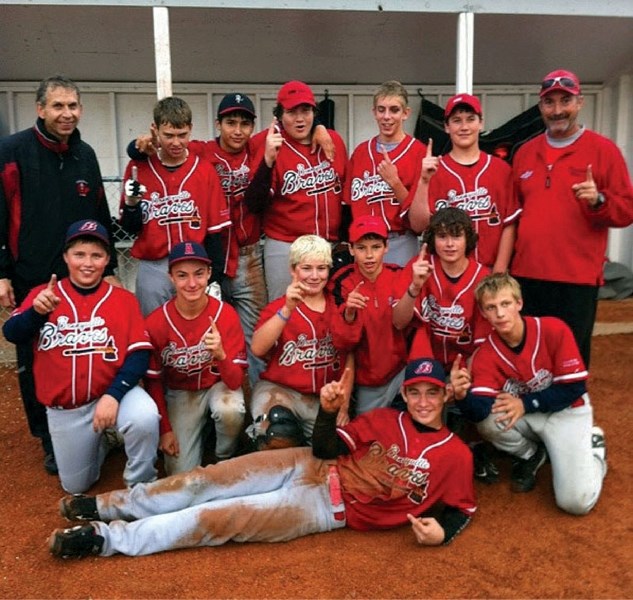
(587, 190)
(213, 341)
(47, 300)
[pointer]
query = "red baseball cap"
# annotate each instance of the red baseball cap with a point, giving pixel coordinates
(466, 99)
(425, 369)
(560, 80)
(365, 225)
(295, 93)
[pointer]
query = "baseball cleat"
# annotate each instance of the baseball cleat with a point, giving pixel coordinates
(75, 542)
(79, 507)
(599, 446)
(523, 475)
(485, 468)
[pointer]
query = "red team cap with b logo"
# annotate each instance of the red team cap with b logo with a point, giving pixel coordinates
(188, 251)
(87, 228)
(365, 225)
(425, 369)
(467, 99)
(294, 93)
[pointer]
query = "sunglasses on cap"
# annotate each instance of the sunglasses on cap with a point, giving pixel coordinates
(564, 82)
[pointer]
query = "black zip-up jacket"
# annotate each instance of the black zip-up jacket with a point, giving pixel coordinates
(45, 185)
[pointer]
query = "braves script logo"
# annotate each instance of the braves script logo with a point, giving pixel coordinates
(189, 360)
(446, 321)
(541, 381)
(314, 180)
(412, 472)
(372, 188)
(313, 352)
(170, 210)
(234, 181)
(477, 204)
(78, 338)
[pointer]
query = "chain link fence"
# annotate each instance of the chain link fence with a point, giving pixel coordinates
(126, 271)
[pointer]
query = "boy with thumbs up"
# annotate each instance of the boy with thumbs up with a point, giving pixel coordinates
(197, 365)
(384, 171)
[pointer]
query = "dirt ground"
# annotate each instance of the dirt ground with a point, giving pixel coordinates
(518, 545)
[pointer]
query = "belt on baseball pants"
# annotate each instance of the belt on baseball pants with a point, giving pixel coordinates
(336, 496)
(246, 250)
(395, 234)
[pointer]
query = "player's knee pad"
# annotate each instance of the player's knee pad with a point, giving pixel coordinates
(284, 430)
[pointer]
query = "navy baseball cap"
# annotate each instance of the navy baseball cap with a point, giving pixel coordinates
(425, 369)
(234, 102)
(88, 228)
(188, 251)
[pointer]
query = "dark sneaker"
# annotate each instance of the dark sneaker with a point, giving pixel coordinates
(79, 507)
(50, 465)
(75, 542)
(523, 477)
(599, 446)
(486, 470)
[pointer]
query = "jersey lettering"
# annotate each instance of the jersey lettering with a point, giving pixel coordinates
(78, 338)
(372, 189)
(316, 180)
(477, 203)
(314, 352)
(189, 360)
(168, 210)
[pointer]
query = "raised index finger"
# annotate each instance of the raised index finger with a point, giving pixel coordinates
(457, 363)
(273, 126)
(213, 327)
(53, 282)
(346, 377)
(134, 173)
(589, 174)
(429, 148)
(422, 254)
(357, 287)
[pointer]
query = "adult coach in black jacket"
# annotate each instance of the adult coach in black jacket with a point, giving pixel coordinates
(49, 179)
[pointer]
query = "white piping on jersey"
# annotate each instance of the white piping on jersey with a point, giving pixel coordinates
(371, 143)
(457, 176)
(230, 200)
(314, 337)
(406, 440)
(326, 235)
(74, 358)
(196, 161)
(178, 333)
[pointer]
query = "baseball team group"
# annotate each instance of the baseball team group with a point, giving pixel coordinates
(358, 338)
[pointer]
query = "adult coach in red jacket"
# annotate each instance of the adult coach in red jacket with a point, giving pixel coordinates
(573, 185)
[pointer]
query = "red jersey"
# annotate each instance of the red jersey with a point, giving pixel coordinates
(180, 205)
(417, 468)
(305, 356)
(306, 191)
(369, 194)
(449, 309)
(235, 172)
(84, 343)
(380, 350)
(484, 191)
(549, 355)
(180, 359)
(560, 238)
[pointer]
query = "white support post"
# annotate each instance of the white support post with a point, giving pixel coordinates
(162, 51)
(465, 45)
